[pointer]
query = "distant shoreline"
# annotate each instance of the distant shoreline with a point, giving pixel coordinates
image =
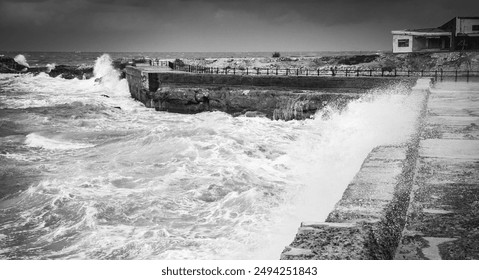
(81, 63)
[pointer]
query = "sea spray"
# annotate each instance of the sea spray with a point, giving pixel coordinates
(20, 59)
(325, 158)
(109, 78)
(103, 68)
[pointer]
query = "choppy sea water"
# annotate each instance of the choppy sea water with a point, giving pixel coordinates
(83, 179)
(88, 58)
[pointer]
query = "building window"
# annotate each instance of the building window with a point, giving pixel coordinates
(475, 28)
(403, 43)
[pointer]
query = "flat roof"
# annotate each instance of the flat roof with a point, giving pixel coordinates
(419, 32)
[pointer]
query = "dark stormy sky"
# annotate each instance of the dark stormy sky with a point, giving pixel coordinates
(217, 25)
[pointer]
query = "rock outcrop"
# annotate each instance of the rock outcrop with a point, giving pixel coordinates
(271, 103)
(9, 65)
(71, 72)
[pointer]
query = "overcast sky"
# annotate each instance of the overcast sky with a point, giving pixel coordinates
(217, 25)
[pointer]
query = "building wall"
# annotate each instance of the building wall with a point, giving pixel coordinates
(465, 26)
(397, 49)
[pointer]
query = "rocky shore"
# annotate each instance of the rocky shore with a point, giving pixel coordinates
(10, 66)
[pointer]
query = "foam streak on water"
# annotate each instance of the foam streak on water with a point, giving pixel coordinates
(104, 183)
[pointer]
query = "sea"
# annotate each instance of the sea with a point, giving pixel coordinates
(89, 58)
(87, 172)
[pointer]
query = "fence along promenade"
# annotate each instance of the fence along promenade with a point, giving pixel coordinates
(438, 75)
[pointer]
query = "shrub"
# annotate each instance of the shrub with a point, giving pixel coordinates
(276, 54)
(178, 62)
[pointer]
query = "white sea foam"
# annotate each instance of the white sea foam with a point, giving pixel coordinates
(38, 141)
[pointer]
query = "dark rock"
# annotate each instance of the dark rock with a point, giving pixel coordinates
(37, 70)
(254, 102)
(71, 72)
(9, 65)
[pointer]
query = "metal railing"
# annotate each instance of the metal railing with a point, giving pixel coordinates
(438, 75)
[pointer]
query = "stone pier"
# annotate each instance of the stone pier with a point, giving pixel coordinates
(276, 97)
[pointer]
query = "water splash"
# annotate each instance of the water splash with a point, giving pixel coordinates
(103, 68)
(20, 59)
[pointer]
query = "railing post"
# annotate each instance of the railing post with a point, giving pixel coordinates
(297, 72)
(382, 72)
(346, 72)
(357, 72)
(408, 73)
(267, 71)
(318, 72)
(234, 70)
(435, 76)
(455, 79)
(247, 71)
(370, 72)
(257, 71)
(422, 73)
(467, 76)
(395, 73)
(276, 71)
(287, 71)
(441, 75)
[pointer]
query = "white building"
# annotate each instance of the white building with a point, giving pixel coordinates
(460, 33)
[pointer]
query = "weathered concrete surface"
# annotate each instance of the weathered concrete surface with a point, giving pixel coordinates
(443, 216)
(276, 97)
(368, 220)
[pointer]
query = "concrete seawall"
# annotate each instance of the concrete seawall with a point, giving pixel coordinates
(443, 214)
(276, 97)
(368, 220)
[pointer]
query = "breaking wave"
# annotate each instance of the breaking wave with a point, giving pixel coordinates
(20, 59)
(38, 141)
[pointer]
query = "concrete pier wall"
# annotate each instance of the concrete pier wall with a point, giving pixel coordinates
(276, 97)
(443, 214)
(368, 220)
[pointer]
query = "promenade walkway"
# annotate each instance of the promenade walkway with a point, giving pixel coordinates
(443, 214)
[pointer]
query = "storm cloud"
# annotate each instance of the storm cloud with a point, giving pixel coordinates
(216, 25)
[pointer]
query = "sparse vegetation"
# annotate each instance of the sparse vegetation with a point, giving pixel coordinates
(178, 62)
(388, 64)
